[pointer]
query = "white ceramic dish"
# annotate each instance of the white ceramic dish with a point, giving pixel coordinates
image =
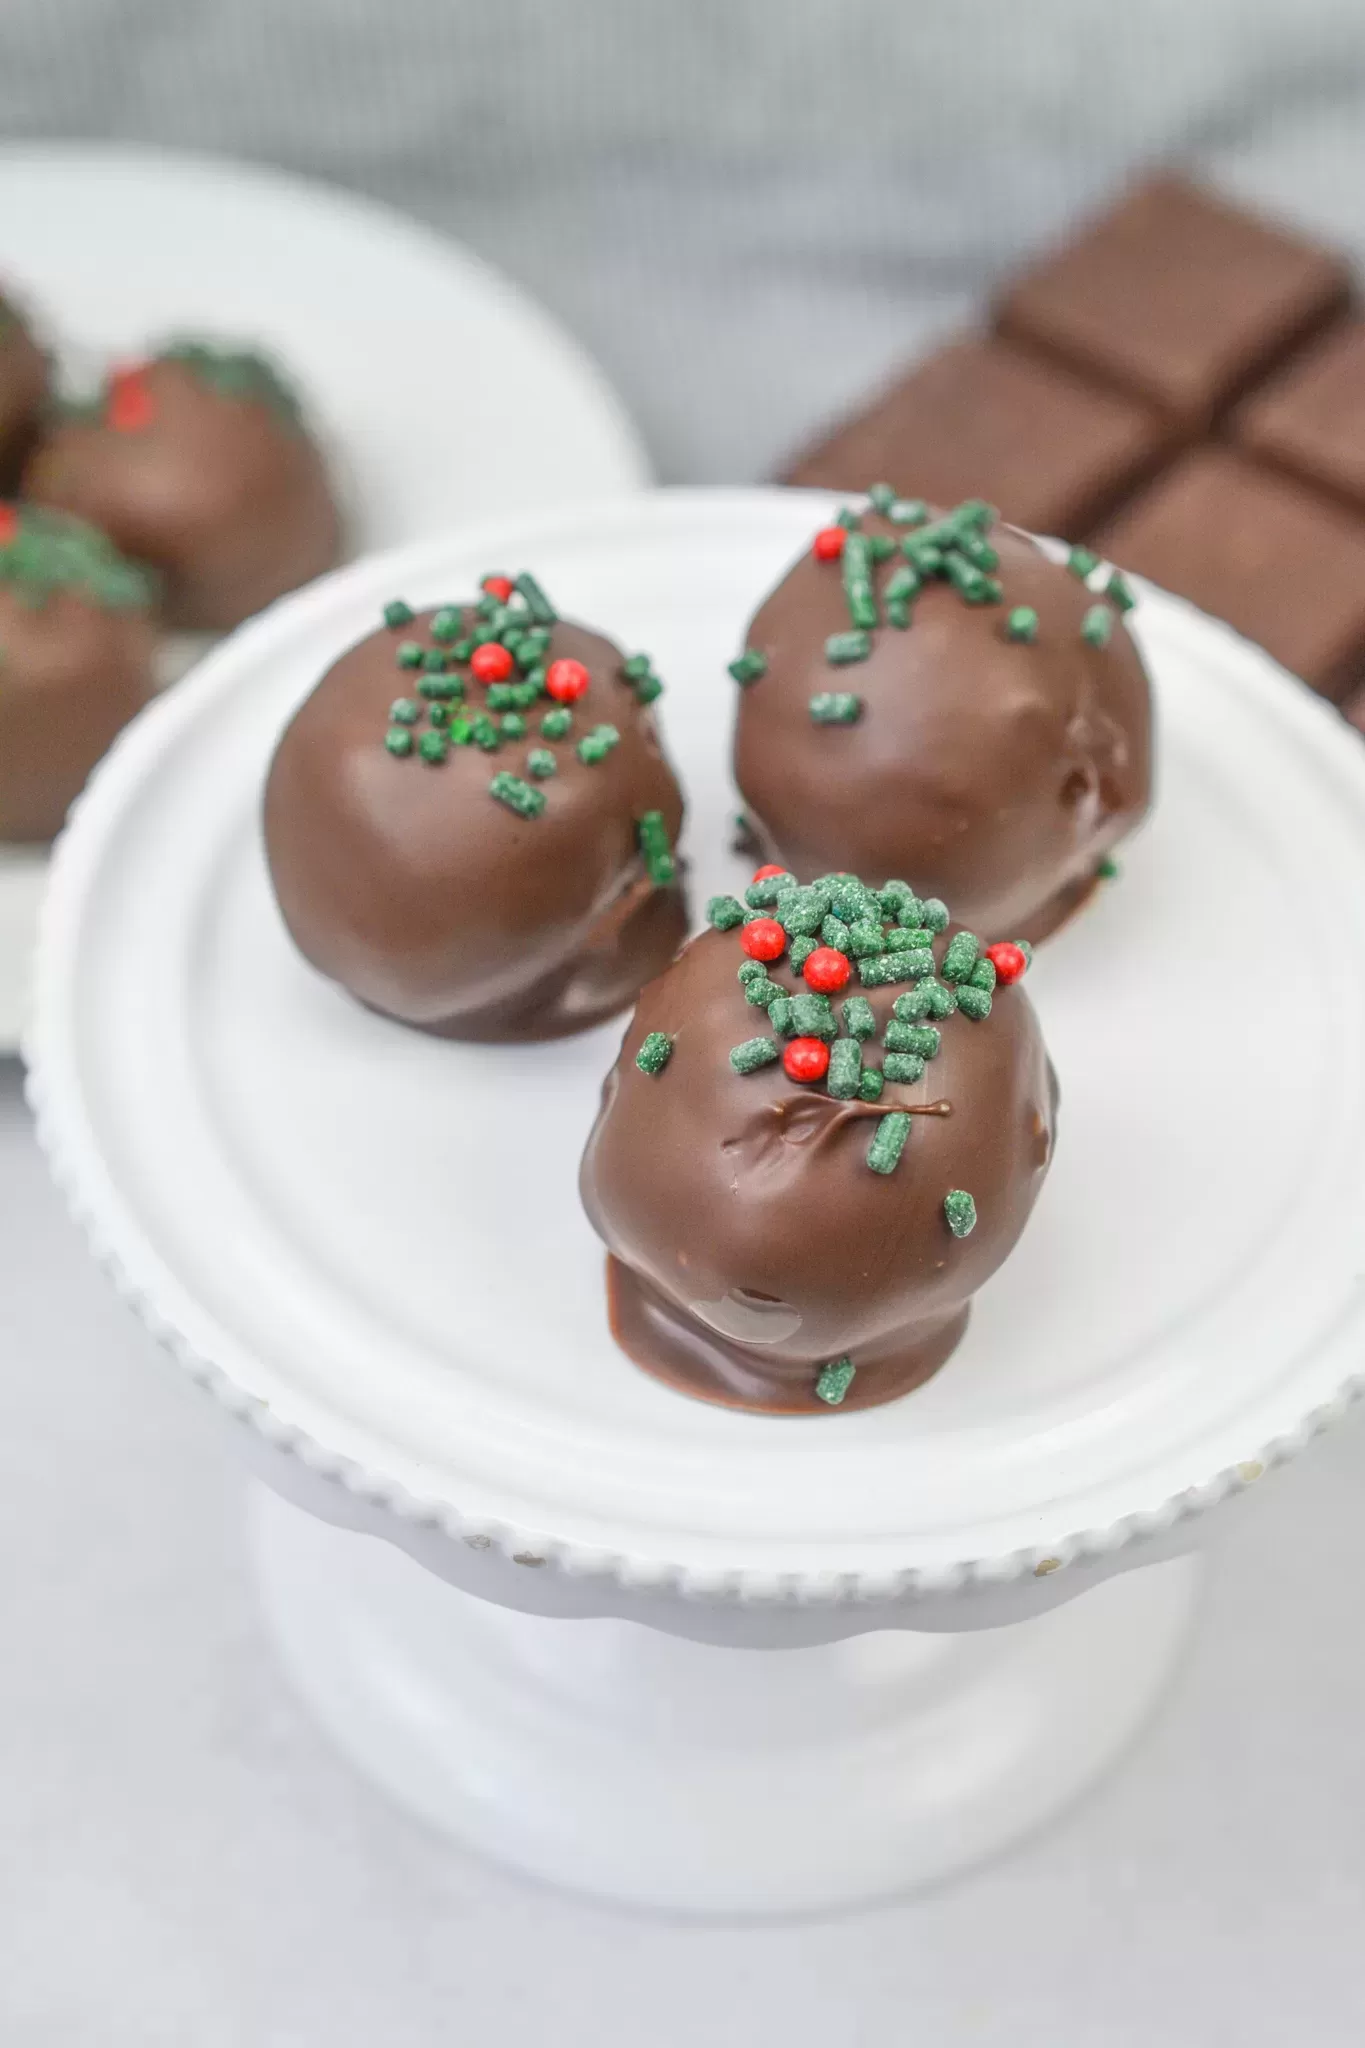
(370, 1242)
(441, 391)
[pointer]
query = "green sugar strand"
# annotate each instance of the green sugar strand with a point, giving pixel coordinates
(883, 1154)
(723, 913)
(1082, 562)
(749, 667)
(870, 1085)
(960, 1212)
(842, 649)
(1097, 626)
(834, 1381)
(859, 1018)
(1022, 624)
(753, 1054)
(960, 957)
(835, 707)
(517, 795)
(845, 1069)
(903, 1067)
(537, 603)
(973, 1002)
(656, 1050)
(657, 848)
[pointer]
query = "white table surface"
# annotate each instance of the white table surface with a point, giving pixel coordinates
(182, 1862)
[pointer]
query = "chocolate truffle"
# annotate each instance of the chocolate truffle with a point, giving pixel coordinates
(1177, 297)
(76, 648)
(930, 694)
(982, 419)
(1283, 566)
(197, 461)
(470, 823)
(23, 386)
(1310, 420)
(828, 1124)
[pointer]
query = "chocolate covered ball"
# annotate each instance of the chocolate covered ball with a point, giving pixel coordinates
(197, 461)
(930, 694)
(23, 387)
(470, 823)
(76, 647)
(828, 1124)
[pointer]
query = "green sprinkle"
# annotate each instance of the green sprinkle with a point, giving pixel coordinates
(1119, 592)
(751, 970)
(398, 740)
(514, 726)
(460, 734)
(409, 654)
(845, 1069)
(960, 957)
(556, 725)
(440, 714)
(856, 567)
(1022, 623)
(445, 689)
(404, 712)
(1082, 563)
(636, 667)
(500, 696)
(881, 497)
(922, 553)
(906, 938)
(848, 519)
(1097, 625)
(835, 707)
(859, 1019)
(970, 583)
(1026, 949)
(898, 900)
(462, 650)
(656, 1050)
(597, 744)
(540, 762)
(908, 512)
(933, 911)
(905, 1067)
(534, 645)
(881, 547)
(834, 932)
(517, 795)
(749, 666)
(850, 899)
(865, 938)
(843, 648)
(753, 1054)
(647, 690)
(1108, 871)
(802, 911)
(432, 747)
(484, 733)
(656, 846)
(885, 969)
(446, 625)
(960, 1211)
(870, 1084)
(983, 975)
(883, 1154)
(973, 1002)
(760, 991)
(760, 895)
(780, 1015)
(434, 662)
(835, 1381)
(978, 552)
(813, 1017)
(397, 613)
(922, 1039)
(800, 950)
(537, 603)
(724, 913)
(903, 584)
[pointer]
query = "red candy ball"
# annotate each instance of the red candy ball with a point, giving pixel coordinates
(499, 587)
(9, 524)
(130, 406)
(1008, 960)
(828, 544)
(764, 939)
(490, 663)
(566, 680)
(806, 1059)
(763, 874)
(827, 970)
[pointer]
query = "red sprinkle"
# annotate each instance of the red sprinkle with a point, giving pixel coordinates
(130, 405)
(490, 663)
(566, 680)
(1008, 960)
(9, 524)
(763, 874)
(827, 970)
(764, 939)
(806, 1059)
(828, 544)
(499, 587)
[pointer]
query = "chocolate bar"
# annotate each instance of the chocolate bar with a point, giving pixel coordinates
(1310, 419)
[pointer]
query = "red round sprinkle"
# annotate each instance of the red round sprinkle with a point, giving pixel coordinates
(828, 544)
(806, 1059)
(499, 587)
(764, 939)
(130, 405)
(9, 524)
(827, 970)
(490, 663)
(566, 680)
(1008, 960)
(763, 874)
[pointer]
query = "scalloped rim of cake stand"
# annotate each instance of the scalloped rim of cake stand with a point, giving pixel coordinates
(74, 1163)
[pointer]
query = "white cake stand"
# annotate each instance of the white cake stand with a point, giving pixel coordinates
(862, 1666)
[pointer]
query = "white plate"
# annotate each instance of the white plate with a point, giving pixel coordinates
(441, 391)
(371, 1242)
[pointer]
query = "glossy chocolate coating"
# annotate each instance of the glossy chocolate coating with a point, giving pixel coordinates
(430, 901)
(750, 1241)
(993, 773)
(73, 671)
(224, 495)
(23, 387)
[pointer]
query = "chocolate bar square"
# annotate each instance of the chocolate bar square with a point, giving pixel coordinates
(980, 419)
(1177, 297)
(1310, 419)
(1282, 566)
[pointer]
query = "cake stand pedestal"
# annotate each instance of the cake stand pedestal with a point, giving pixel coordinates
(690, 1659)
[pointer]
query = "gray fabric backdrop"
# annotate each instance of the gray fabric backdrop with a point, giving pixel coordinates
(750, 210)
